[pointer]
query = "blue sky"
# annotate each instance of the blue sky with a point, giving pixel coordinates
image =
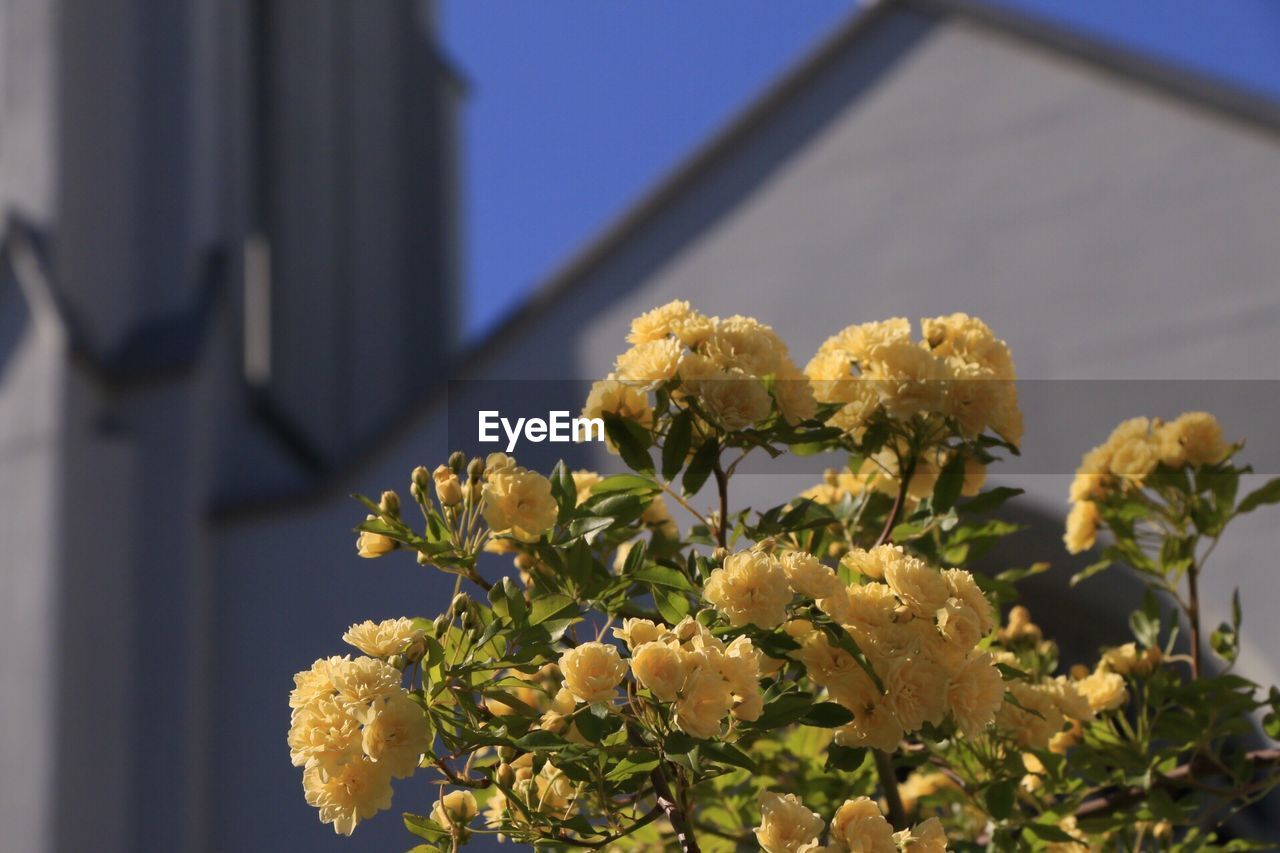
(578, 106)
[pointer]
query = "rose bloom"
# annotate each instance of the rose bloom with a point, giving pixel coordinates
(959, 624)
(747, 344)
(651, 362)
(1128, 660)
(397, 733)
(1134, 459)
(322, 732)
(359, 682)
(908, 379)
(919, 586)
(637, 632)
(750, 589)
(808, 577)
(974, 694)
(348, 793)
(314, 683)
(592, 671)
(659, 667)
(786, 826)
(675, 318)
(1082, 527)
(456, 808)
(874, 724)
(1194, 437)
(961, 585)
(735, 399)
(916, 688)
(383, 639)
(624, 399)
(858, 825)
(704, 702)
(1105, 691)
(927, 837)
(519, 502)
(794, 394)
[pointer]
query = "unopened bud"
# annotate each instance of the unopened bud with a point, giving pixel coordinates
(718, 555)
(457, 461)
(554, 722)
(525, 562)
(390, 503)
(475, 470)
(420, 477)
(506, 776)
(506, 753)
(398, 661)
(461, 603)
(441, 626)
(448, 489)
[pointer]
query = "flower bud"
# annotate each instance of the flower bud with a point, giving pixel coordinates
(718, 555)
(448, 489)
(506, 753)
(457, 461)
(370, 545)
(461, 603)
(441, 626)
(390, 503)
(420, 477)
(524, 562)
(423, 559)
(398, 661)
(475, 471)
(554, 722)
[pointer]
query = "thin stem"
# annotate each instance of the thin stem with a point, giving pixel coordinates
(1180, 777)
(889, 781)
(1193, 617)
(722, 486)
(899, 501)
(666, 487)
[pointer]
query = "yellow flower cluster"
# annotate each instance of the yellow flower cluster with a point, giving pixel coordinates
(545, 791)
(707, 679)
(959, 369)
(353, 728)
(592, 671)
(1128, 456)
(858, 826)
(919, 629)
(737, 368)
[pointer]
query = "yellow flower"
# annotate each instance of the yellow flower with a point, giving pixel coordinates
(808, 577)
(592, 671)
(974, 694)
(735, 399)
(659, 667)
(361, 681)
(916, 688)
(794, 394)
(675, 318)
(907, 379)
(1105, 691)
(313, 683)
(704, 702)
(651, 362)
(920, 587)
(371, 545)
(961, 585)
(448, 489)
(872, 563)
(926, 837)
(786, 826)
(1194, 437)
(324, 731)
(347, 793)
(1037, 720)
(519, 502)
(859, 826)
(746, 344)
(750, 589)
(959, 624)
(383, 639)
(1134, 459)
(397, 733)
(1082, 527)
(858, 341)
(455, 809)
(1127, 660)
(637, 632)
(624, 399)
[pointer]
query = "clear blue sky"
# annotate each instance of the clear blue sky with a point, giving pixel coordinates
(579, 106)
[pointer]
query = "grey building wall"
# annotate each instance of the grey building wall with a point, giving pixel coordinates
(1105, 229)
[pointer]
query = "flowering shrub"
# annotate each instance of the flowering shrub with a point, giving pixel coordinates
(824, 675)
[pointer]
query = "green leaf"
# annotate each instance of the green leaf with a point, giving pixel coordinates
(632, 441)
(1225, 643)
(950, 482)
(700, 467)
(1089, 571)
(727, 753)
(541, 741)
(548, 606)
(784, 710)
(827, 715)
(671, 604)
(846, 758)
(625, 483)
(424, 827)
(563, 489)
(675, 450)
(999, 798)
(661, 575)
(1268, 493)
(595, 728)
(634, 563)
(589, 528)
(988, 501)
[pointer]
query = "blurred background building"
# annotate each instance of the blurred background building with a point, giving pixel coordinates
(229, 291)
